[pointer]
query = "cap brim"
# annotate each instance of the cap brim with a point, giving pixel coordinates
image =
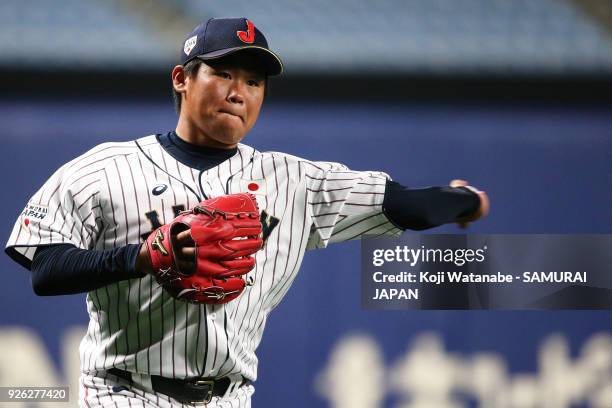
(272, 63)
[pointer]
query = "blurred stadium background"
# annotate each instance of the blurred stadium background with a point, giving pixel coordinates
(513, 95)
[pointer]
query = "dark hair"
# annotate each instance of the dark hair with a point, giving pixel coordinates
(191, 69)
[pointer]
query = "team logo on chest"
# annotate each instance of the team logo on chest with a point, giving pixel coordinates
(268, 223)
(155, 221)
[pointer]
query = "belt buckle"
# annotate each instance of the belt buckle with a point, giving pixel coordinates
(209, 394)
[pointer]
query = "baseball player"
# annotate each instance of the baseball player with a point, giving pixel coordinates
(185, 241)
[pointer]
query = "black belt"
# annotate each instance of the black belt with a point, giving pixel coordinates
(197, 390)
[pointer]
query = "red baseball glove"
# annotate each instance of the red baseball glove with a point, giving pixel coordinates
(225, 232)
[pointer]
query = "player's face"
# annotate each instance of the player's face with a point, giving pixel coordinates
(222, 101)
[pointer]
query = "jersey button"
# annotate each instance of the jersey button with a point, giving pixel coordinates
(213, 316)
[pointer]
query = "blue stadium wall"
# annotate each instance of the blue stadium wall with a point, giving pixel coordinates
(546, 170)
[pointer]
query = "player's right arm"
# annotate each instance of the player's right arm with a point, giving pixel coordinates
(65, 210)
(56, 233)
(64, 269)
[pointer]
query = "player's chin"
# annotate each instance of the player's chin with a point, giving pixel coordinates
(230, 135)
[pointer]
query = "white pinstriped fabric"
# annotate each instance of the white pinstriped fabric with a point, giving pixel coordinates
(104, 199)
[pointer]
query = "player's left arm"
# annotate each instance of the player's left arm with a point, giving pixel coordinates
(348, 204)
(420, 209)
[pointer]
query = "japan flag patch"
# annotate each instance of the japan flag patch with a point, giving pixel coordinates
(189, 44)
(257, 187)
(33, 213)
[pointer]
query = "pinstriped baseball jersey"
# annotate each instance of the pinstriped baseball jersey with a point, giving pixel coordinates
(117, 193)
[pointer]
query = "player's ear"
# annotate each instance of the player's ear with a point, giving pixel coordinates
(178, 78)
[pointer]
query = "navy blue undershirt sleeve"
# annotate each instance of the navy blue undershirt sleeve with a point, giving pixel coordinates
(64, 269)
(419, 209)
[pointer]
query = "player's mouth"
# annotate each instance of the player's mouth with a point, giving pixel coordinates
(231, 114)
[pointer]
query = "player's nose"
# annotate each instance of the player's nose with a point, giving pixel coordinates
(236, 92)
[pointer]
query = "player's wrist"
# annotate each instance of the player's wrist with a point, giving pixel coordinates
(143, 261)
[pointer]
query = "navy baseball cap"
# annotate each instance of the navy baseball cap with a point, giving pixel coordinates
(219, 37)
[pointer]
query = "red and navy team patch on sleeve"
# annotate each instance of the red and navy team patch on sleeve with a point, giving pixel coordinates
(33, 213)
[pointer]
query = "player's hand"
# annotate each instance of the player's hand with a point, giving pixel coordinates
(482, 211)
(203, 254)
(185, 255)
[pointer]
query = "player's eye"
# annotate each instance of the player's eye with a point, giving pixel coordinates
(254, 82)
(224, 74)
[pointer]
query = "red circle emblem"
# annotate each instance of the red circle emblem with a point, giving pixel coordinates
(253, 187)
(26, 222)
